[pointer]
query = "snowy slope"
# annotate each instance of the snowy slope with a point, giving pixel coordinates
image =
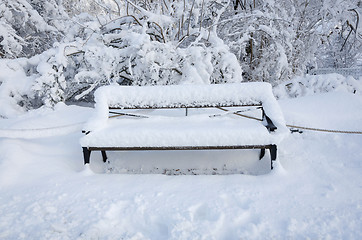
(314, 191)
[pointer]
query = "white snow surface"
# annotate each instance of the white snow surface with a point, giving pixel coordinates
(314, 192)
(312, 84)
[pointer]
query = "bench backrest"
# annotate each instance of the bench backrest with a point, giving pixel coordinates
(175, 96)
(189, 96)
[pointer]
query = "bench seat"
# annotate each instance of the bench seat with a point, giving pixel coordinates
(198, 130)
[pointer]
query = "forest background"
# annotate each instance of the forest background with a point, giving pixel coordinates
(62, 50)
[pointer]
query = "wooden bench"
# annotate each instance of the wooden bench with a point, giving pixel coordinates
(115, 128)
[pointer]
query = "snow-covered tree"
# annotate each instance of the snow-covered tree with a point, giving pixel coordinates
(166, 42)
(258, 34)
(341, 46)
(29, 27)
(277, 40)
(74, 46)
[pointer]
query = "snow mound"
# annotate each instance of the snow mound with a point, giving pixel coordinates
(314, 84)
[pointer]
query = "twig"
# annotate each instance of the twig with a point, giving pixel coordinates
(185, 37)
(176, 70)
(75, 53)
(161, 31)
(189, 20)
(164, 2)
(107, 9)
(202, 14)
(119, 9)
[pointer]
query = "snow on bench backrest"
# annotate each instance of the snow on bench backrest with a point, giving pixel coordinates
(185, 96)
(174, 96)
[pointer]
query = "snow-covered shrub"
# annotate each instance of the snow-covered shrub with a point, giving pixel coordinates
(137, 42)
(276, 40)
(153, 44)
(29, 27)
(327, 33)
(50, 85)
(342, 46)
(163, 43)
(260, 38)
(27, 83)
(14, 83)
(313, 84)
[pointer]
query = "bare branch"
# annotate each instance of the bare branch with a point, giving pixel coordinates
(189, 20)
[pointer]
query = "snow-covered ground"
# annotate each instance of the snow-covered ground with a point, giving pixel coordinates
(314, 192)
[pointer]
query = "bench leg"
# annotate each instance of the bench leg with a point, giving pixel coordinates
(262, 153)
(273, 154)
(104, 156)
(86, 155)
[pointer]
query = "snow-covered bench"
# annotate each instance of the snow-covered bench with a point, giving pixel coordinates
(134, 131)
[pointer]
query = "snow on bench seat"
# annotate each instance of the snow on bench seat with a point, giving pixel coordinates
(180, 131)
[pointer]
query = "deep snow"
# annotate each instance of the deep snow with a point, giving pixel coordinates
(315, 190)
